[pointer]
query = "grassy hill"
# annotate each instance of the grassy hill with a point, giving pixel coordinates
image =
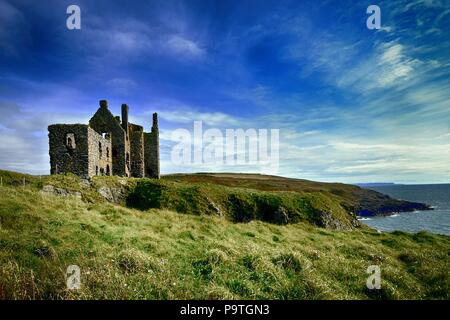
(352, 198)
(131, 242)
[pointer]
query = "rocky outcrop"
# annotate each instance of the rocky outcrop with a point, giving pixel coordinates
(114, 195)
(329, 221)
(372, 203)
(49, 189)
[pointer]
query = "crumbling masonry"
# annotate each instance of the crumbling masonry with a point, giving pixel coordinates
(106, 146)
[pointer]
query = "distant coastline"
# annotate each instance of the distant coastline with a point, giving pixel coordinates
(376, 184)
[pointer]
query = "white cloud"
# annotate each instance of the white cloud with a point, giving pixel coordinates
(176, 113)
(389, 66)
(392, 54)
(386, 29)
(185, 116)
(395, 65)
(24, 139)
(129, 41)
(353, 160)
(176, 44)
(105, 42)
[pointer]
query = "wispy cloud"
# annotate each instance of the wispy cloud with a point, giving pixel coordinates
(189, 116)
(387, 67)
(105, 41)
(176, 44)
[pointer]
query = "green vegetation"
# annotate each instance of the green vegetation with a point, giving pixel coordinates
(351, 198)
(127, 253)
(238, 204)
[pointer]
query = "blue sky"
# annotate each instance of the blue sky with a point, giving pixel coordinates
(352, 104)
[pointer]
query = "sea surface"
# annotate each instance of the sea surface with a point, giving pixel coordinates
(436, 221)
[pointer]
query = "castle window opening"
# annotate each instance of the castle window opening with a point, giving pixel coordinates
(70, 141)
(96, 170)
(107, 152)
(100, 149)
(108, 171)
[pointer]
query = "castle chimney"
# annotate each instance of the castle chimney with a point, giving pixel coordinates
(155, 122)
(153, 170)
(125, 117)
(104, 104)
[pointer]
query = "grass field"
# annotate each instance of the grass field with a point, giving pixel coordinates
(126, 253)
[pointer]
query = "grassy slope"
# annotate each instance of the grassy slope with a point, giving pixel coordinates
(241, 204)
(157, 254)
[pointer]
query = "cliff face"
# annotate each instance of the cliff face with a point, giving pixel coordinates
(372, 203)
(241, 204)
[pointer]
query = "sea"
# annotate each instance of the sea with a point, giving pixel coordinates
(435, 221)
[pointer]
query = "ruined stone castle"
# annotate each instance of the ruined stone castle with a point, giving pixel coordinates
(107, 146)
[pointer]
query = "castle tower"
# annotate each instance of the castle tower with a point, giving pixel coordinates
(104, 104)
(125, 117)
(152, 169)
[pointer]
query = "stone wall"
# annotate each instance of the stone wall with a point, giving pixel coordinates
(69, 149)
(100, 158)
(136, 134)
(125, 127)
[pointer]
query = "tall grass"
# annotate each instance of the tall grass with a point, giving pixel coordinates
(126, 253)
